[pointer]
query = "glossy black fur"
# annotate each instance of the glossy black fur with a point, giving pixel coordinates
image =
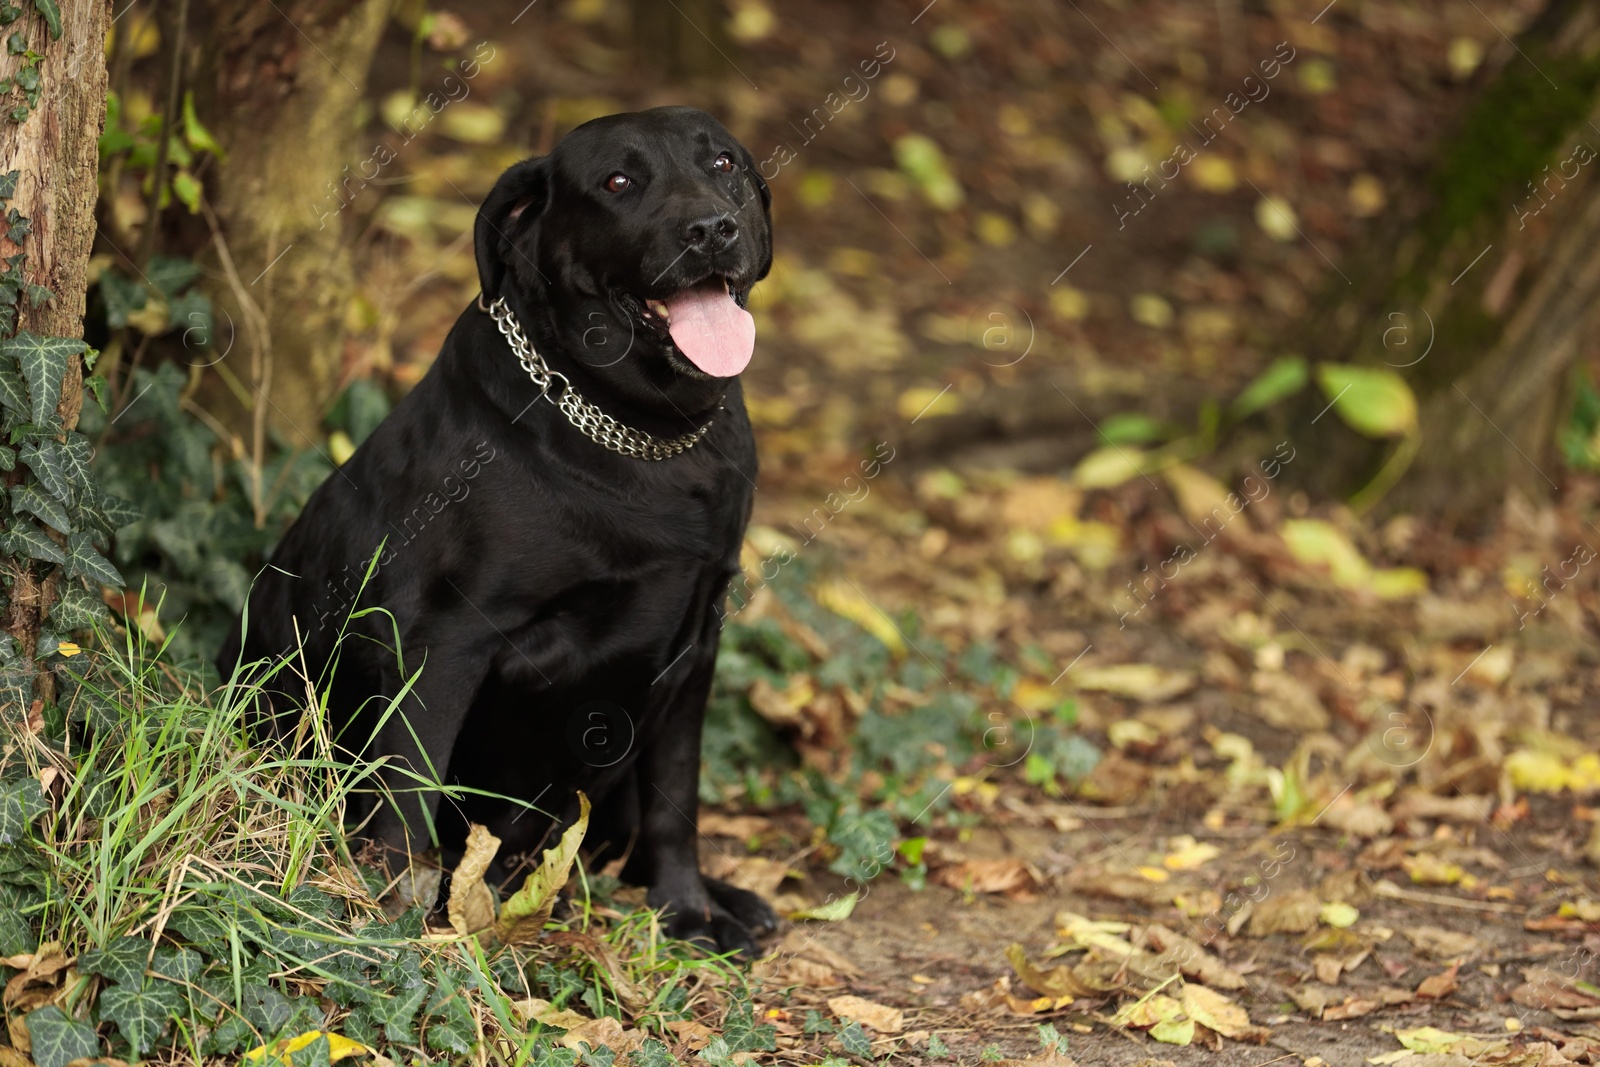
(562, 601)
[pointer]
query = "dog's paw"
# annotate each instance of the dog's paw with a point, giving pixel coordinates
(719, 917)
(755, 914)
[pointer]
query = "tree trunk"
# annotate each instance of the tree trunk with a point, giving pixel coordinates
(683, 39)
(1480, 288)
(279, 85)
(55, 149)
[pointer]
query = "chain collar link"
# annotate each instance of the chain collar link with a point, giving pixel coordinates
(593, 423)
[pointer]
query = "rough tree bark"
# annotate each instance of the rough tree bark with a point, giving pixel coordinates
(1491, 267)
(56, 151)
(278, 84)
(685, 39)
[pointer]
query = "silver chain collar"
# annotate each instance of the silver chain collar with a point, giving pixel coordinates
(593, 423)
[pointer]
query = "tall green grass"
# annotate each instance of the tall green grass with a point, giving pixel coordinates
(200, 888)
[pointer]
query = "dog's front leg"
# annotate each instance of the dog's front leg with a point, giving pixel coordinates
(415, 739)
(696, 907)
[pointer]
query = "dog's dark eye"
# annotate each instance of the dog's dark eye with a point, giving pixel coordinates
(724, 164)
(619, 183)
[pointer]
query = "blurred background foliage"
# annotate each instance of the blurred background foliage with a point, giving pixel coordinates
(1082, 345)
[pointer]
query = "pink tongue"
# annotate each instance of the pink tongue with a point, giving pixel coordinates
(715, 333)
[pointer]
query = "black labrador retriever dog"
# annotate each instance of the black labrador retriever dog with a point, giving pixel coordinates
(555, 512)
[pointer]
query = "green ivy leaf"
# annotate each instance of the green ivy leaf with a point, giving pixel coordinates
(97, 386)
(21, 802)
(450, 1025)
(27, 499)
(58, 1040)
(45, 460)
(8, 184)
(855, 1041)
(408, 994)
(651, 1054)
(187, 188)
(177, 964)
(122, 961)
(118, 512)
(78, 609)
(171, 274)
(84, 562)
(38, 294)
(197, 135)
(27, 541)
(141, 1013)
(75, 453)
(52, 16)
(13, 392)
(123, 296)
(44, 364)
(8, 459)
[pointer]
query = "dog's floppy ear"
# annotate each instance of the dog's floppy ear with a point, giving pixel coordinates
(509, 213)
(766, 204)
(754, 171)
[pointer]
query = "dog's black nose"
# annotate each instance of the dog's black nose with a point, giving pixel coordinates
(711, 234)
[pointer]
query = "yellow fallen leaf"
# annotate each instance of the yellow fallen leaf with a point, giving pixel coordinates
(1538, 772)
(1276, 218)
(880, 1017)
(920, 402)
(547, 1014)
(1430, 1039)
(1339, 915)
(339, 1047)
(844, 599)
(1138, 681)
(1202, 498)
(836, 910)
(68, 649)
(471, 904)
(524, 913)
(1191, 857)
(1155, 874)
(1215, 1011)
(1108, 467)
(1316, 543)
(1174, 1031)
(340, 447)
(1148, 1011)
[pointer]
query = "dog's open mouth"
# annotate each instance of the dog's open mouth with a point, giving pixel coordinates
(708, 324)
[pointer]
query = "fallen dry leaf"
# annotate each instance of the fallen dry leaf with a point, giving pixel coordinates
(523, 915)
(1216, 1012)
(1055, 982)
(1440, 943)
(1293, 912)
(472, 903)
(880, 1017)
(1192, 959)
(1009, 876)
(1136, 681)
(1439, 985)
(742, 827)
(605, 1031)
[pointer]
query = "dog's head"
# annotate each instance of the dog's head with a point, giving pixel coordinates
(638, 239)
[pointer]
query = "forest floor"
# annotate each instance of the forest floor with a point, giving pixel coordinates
(1353, 764)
